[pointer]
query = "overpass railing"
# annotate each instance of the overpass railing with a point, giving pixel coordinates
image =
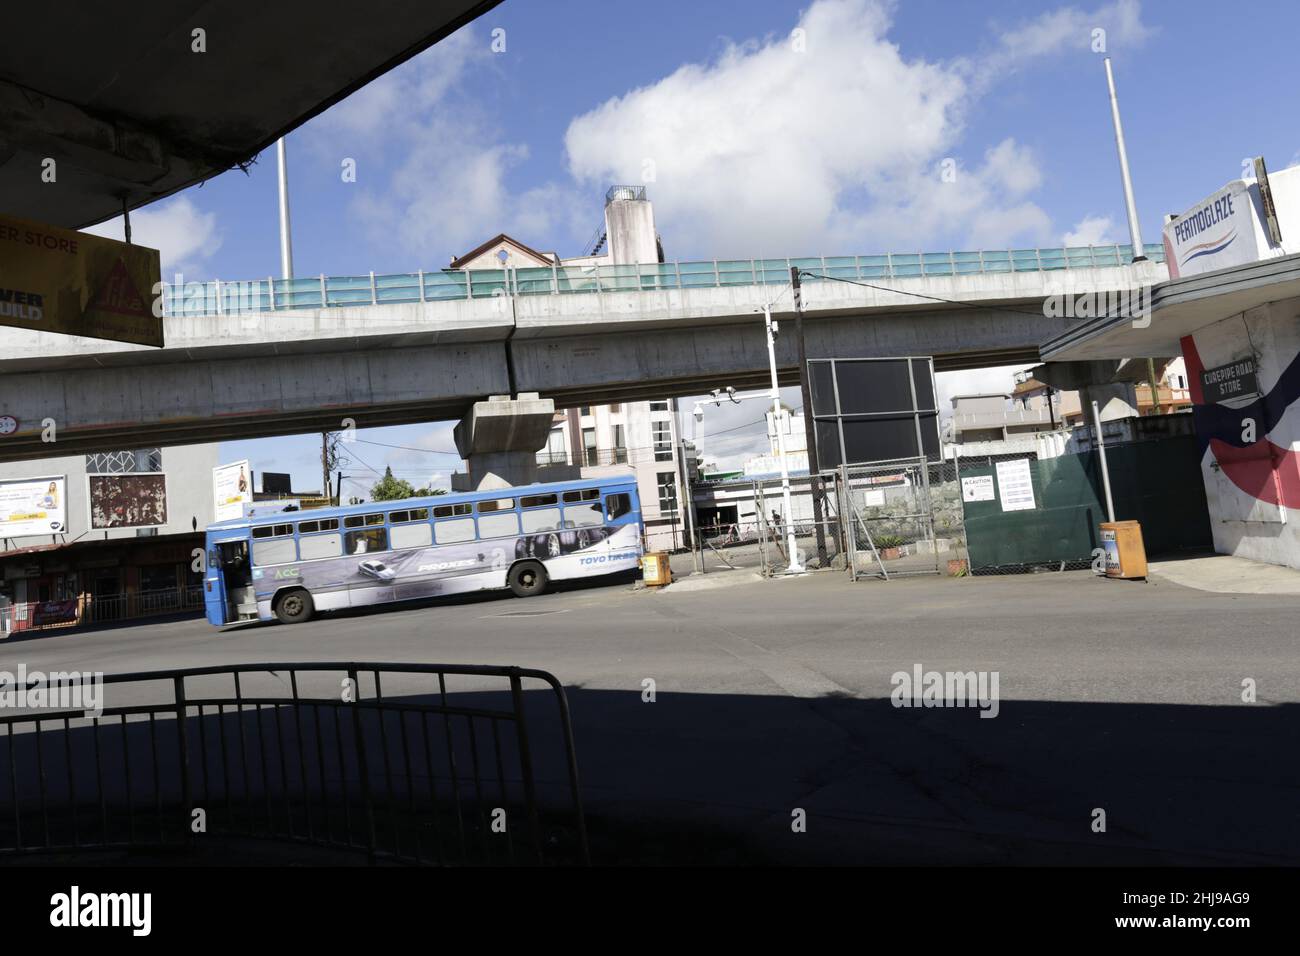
(270, 294)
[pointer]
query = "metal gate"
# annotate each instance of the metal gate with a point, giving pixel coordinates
(902, 517)
(370, 757)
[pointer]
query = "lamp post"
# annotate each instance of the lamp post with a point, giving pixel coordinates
(778, 414)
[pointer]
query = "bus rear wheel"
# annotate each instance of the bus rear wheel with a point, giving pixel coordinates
(294, 607)
(527, 579)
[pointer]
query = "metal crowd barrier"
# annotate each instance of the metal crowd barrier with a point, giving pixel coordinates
(376, 758)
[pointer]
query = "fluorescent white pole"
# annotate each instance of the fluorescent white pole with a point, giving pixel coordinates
(286, 244)
(1134, 230)
(1105, 472)
(795, 567)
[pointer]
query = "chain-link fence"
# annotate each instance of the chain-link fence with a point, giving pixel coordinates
(745, 523)
(905, 518)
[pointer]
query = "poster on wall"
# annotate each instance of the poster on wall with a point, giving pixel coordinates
(232, 488)
(30, 506)
(1016, 484)
(137, 500)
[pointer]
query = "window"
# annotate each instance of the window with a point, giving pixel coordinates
(589, 446)
(667, 491)
(458, 529)
(663, 439)
(553, 453)
(497, 504)
(620, 446)
(273, 531)
(542, 519)
(412, 536)
(415, 514)
(586, 515)
(275, 551)
(362, 521)
(368, 541)
(452, 511)
(659, 406)
(586, 494)
(324, 524)
(618, 505)
(498, 525)
(537, 501)
(584, 410)
(320, 546)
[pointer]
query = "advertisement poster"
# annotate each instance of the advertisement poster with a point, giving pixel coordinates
(127, 501)
(232, 488)
(1016, 484)
(61, 280)
(30, 506)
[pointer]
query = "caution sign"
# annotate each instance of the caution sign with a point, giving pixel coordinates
(60, 280)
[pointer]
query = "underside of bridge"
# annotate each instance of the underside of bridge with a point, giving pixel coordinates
(143, 99)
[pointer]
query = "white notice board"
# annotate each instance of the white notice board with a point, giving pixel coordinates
(1016, 485)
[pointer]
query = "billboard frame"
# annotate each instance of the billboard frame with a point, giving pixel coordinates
(90, 511)
(40, 478)
(916, 412)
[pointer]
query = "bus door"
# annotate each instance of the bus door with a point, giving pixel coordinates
(229, 585)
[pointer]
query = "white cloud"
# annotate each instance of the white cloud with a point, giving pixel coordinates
(1070, 29)
(1091, 231)
(185, 236)
(768, 150)
(432, 165)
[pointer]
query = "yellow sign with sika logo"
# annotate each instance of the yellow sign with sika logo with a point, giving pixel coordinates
(60, 280)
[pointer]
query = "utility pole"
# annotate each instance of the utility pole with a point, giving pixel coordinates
(325, 465)
(810, 433)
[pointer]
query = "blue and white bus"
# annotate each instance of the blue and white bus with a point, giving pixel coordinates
(288, 565)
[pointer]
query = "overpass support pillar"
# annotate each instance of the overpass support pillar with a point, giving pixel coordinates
(500, 438)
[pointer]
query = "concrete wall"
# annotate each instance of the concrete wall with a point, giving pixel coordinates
(189, 492)
(1252, 481)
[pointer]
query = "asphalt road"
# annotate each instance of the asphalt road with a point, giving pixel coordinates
(774, 697)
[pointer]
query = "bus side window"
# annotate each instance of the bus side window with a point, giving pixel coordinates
(368, 541)
(617, 505)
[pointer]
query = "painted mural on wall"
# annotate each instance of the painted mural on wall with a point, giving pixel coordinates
(1247, 424)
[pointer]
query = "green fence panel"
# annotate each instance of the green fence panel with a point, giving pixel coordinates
(1061, 527)
(1157, 483)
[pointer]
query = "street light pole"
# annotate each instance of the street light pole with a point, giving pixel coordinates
(777, 414)
(286, 242)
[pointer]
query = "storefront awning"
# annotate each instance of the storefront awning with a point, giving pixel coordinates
(1178, 308)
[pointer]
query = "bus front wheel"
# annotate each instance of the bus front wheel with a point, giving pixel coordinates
(294, 607)
(527, 578)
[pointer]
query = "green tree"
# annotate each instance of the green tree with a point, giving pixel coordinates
(389, 488)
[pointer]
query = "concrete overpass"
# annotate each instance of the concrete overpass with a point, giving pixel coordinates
(282, 357)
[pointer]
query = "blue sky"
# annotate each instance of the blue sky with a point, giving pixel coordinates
(755, 141)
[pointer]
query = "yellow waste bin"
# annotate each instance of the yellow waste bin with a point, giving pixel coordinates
(1126, 556)
(655, 569)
